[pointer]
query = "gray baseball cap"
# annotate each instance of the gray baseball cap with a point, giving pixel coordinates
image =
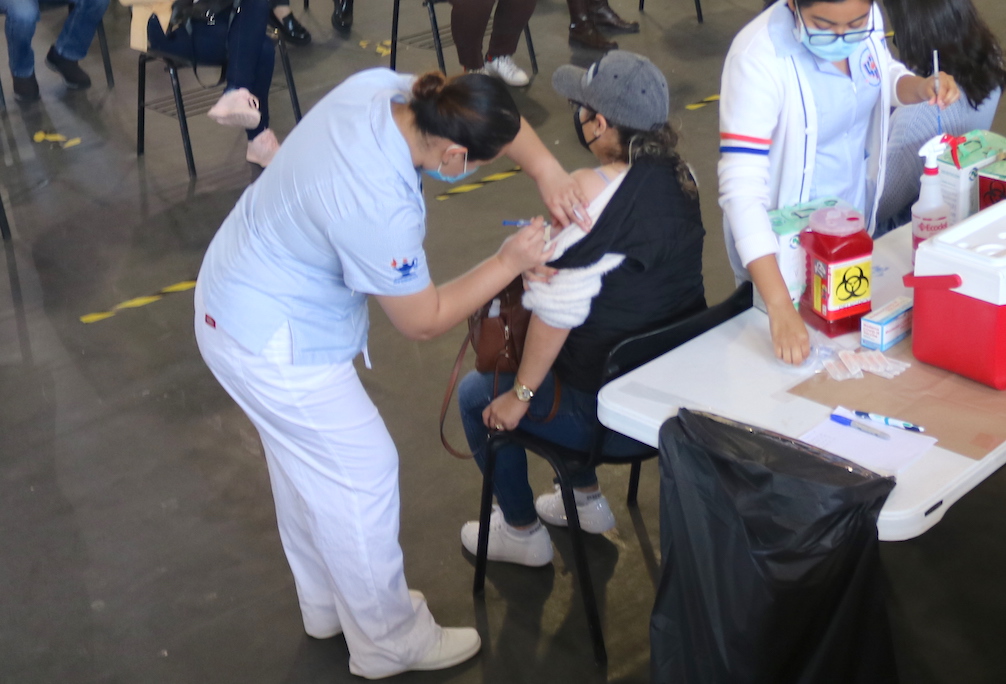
(625, 88)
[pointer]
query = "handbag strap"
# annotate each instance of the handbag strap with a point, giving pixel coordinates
(452, 383)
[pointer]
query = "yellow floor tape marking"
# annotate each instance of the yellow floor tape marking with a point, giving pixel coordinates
(468, 187)
(180, 287)
(95, 317)
(137, 302)
(702, 103)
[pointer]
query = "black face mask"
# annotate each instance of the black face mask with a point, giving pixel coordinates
(578, 125)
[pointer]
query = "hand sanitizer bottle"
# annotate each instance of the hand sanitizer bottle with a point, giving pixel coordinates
(930, 214)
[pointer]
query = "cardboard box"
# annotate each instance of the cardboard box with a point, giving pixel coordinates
(959, 184)
(884, 327)
(991, 184)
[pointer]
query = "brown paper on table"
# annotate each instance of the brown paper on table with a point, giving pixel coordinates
(965, 416)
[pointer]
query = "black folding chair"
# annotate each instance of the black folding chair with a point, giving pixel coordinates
(626, 356)
(698, 9)
(172, 64)
(438, 42)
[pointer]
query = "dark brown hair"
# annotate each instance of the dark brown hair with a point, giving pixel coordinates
(658, 144)
(968, 49)
(472, 110)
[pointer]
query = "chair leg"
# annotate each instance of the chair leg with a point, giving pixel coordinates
(284, 57)
(394, 34)
(436, 35)
(103, 44)
(641, 5)
(183, 123)
(4, 225)
(306, 5)
(530, 50)
(484, 514)
(633, 483)
(141, 104)
(3, 100)
(583, 571)
(698, 9)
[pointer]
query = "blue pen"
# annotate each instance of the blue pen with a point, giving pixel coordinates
(518, 223)
(893, 422)
(862, 427)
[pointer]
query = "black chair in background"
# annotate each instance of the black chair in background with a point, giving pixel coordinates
(172, 64)
(698, 9)
(438, 41)
(626, 356)
(102, 43)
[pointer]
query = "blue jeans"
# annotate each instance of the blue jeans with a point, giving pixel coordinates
(72, 43)
(241, 44)
(573, 426)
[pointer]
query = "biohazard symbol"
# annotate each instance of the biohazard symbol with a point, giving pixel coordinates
(854, 284)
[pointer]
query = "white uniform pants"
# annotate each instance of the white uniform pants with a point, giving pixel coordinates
(334, 475)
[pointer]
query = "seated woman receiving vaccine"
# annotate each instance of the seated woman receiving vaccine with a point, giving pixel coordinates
(639, 267)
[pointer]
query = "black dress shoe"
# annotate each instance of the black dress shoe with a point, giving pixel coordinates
(25, 89)
(73, 76)
(342, 17)
(605, 16)
(584, 32)
(292, 30)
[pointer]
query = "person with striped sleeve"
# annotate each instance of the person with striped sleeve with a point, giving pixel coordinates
(805, 103)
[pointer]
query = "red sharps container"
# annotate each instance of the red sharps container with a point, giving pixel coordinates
(839, 259)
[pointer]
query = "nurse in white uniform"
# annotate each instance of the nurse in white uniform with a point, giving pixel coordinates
(281, 311)
(805, 106)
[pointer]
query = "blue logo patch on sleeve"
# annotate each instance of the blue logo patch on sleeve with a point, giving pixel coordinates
(406, 269)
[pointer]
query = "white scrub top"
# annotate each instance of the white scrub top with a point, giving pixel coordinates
(337, 215)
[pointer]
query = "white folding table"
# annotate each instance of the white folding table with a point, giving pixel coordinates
(732, 371)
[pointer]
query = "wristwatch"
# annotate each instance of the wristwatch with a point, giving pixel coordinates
(524, 393)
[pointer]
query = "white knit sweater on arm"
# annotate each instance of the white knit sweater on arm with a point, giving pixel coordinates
(564, 301)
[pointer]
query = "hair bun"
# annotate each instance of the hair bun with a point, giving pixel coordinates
(429, 85)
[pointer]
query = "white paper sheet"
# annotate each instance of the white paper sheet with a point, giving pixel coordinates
(884, 456)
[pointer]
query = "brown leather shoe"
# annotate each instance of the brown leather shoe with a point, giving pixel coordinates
(584, 32)
(603, 15)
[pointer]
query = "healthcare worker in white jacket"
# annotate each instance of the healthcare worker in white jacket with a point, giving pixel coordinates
(805, 103)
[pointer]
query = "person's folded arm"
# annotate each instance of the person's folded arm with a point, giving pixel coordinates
(541, 348)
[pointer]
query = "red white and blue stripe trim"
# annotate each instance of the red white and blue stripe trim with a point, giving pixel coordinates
(744, 144)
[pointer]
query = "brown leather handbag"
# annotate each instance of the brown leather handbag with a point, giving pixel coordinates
(496, 332)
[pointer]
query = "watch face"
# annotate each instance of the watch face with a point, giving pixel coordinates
(523, 393)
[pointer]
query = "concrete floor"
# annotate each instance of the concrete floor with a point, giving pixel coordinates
(137, 528)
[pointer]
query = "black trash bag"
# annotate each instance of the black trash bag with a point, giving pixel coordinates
(771, 571)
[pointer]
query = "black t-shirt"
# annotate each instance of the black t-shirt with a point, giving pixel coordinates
(658, 227)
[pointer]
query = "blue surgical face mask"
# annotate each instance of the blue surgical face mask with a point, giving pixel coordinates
(438, 175)
(835, 51)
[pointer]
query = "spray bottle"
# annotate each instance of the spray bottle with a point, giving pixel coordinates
(930, 214)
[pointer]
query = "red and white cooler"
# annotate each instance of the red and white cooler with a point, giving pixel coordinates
(960, 298)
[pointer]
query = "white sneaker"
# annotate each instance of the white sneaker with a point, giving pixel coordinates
(592, 509)
(507, 71)
(456, 645)
(262, 148)
(508, 544)
(236, 108)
